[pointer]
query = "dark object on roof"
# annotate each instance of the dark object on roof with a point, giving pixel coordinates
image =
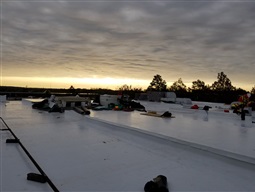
(56, 108)
(43, 105)
(137, 106)
(36, 177)
(206, 108)
(12, 141)
(159, 184)
(166, 114)
(150, 186)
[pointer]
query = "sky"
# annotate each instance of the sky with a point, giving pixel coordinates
(109, 43)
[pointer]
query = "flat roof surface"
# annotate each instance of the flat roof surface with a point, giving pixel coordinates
(121, 151)
(216, 130)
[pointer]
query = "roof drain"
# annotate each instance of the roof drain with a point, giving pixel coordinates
(42, 178)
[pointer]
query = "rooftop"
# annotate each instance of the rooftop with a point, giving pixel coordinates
(121, 151)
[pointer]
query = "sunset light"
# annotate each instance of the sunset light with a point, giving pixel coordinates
(66, 82)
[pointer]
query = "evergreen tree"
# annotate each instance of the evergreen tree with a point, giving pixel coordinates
(223, 83)
(253, 90)
(178, 86)
(72, 90)
(199, 85)
(157, 84)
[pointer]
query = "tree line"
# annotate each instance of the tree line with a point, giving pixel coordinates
(222, 84)
(221, 90)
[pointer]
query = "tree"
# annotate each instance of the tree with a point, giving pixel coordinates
(125, 88)
(223, 83)
(178, 86)
(72, 90)
(157, 84)
(71, 87)
(253, 90)
(199, 85)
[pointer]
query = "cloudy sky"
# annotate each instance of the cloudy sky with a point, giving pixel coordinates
(111, 43)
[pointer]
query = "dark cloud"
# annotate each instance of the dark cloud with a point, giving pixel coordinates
(187, 39)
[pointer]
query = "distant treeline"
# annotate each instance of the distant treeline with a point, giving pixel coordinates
(221, 91)
(223, 96)
(17, 93)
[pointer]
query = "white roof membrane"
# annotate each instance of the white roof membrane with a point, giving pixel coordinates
(121, 151)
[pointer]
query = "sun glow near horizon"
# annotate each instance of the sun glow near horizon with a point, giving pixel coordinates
(88, 83)
(66, 82)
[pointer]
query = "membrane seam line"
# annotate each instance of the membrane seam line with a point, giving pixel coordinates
(31, 158)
